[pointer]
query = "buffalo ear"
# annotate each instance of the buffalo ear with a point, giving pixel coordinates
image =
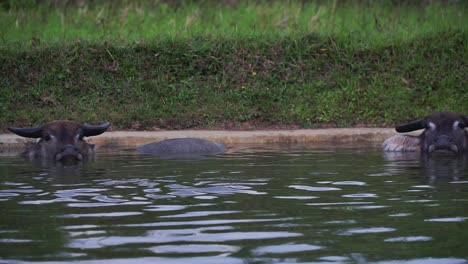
(29, 132)
(90, 130)
(412, 126)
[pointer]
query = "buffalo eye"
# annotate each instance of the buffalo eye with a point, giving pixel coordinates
(47, 137)
(80, 137)
(461, 125)
(431, 125)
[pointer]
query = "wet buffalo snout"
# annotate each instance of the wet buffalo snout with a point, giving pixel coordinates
(69, 152)
(69, 148)
(443, 140)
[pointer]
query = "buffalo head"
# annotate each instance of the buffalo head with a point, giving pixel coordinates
(61, 140)
(442, 131)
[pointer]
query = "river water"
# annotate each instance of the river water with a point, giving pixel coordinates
(260, 204)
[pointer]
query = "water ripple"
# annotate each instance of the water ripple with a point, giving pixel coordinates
(86, 204)
(114, 214)
(360, 195)
(425, 261)
(13, 183)
(338, 203)
(147, 260)
(15, 240)
(459, 182)
(285, 248)
(199, 213)
(408, 239)
(420, 201)
(367, 207)
(87, 233)
(30, 190)
(382, 174)
(87, 192)
(209, 222)
(423, 186)
(152, 190)
(79, 227)
(190, 236)
(447, 219)
(370, 230)
(338, 259)
(194, 248)
(400, 215)
(356, 183)
(205, 197)
(164, 208)
(160, 196)
(138, 182)
(81, 191)
(314, 189)
(106, 199)
(297, 197)
(341, 222)
(8, 194)
(185, 191)
(56, 200)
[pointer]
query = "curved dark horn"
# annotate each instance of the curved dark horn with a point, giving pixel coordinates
(30, 132)
(90, 130)
(411, 126)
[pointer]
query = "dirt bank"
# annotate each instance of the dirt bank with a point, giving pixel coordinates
(129, 139)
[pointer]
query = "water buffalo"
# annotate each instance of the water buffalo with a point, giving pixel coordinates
(182, 148)
(443, 131)
(61, 140)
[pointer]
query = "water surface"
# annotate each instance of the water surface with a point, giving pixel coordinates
(292, 204)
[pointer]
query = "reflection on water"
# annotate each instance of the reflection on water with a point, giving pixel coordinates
(445, 166)
(294, 205)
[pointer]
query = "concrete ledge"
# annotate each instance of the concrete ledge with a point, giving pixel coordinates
(130, 139)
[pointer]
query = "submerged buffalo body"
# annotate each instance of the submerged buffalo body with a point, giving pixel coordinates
(61, 140)
(444, 131)
(182, 147)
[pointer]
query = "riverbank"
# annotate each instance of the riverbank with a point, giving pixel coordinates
(131, 139)
(304, 82)
(310, 65)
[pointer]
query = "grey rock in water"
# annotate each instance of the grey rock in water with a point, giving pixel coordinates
(182, 148)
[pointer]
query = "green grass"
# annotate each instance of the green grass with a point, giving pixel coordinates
(366, 23)
(143, 64)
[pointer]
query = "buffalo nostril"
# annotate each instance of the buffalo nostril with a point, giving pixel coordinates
(444, 139)
(69, 148)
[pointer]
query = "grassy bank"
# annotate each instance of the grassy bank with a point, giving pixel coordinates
(359, 23)
(217, 66)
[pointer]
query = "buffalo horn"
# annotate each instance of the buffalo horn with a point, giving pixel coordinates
(90, 130)
(30, 132)
(411, 126)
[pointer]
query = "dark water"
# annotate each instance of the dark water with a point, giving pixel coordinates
(296, 205)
